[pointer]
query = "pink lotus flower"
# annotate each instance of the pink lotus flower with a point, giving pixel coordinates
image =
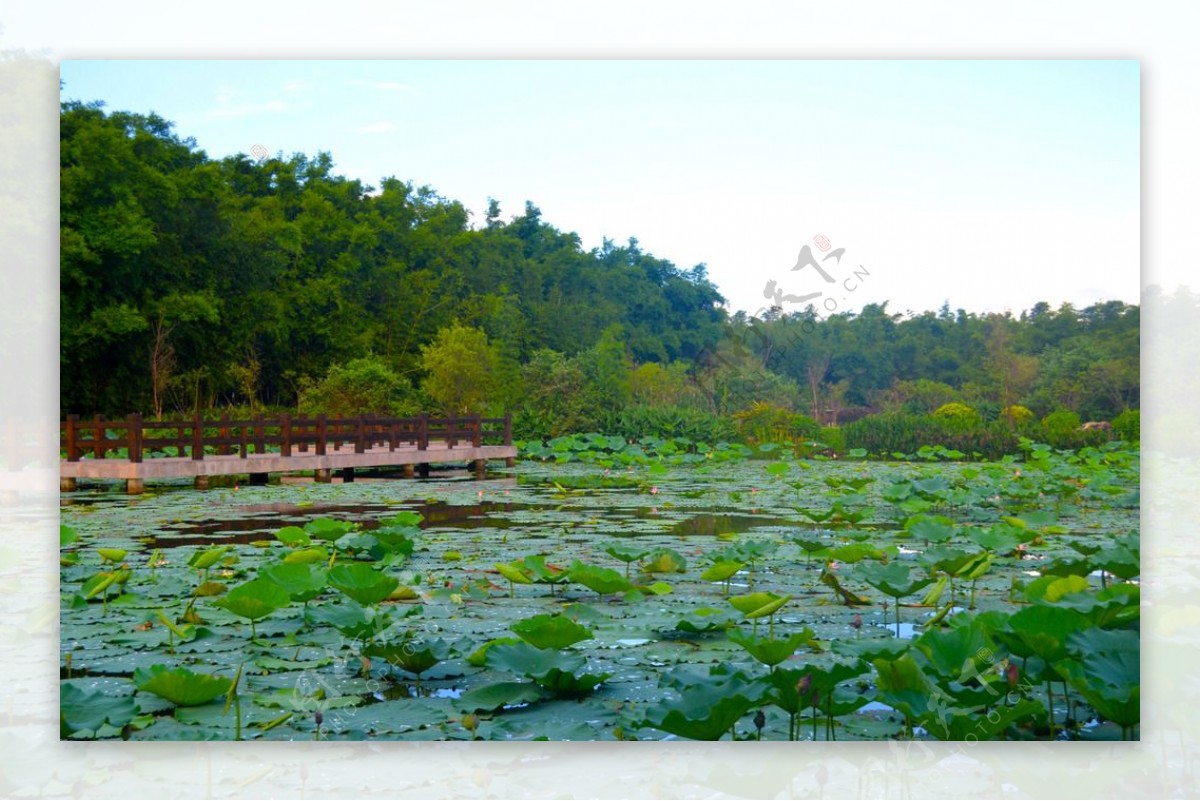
(654, 490)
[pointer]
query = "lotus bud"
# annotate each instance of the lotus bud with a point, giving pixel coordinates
(1011, 674)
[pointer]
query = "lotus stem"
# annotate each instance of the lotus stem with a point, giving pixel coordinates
(1050, 707)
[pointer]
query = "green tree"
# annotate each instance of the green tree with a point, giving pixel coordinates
(460, 369)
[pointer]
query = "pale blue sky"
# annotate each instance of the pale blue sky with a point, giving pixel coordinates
(991, 184)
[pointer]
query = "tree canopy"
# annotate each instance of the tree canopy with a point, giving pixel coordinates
(190, 283)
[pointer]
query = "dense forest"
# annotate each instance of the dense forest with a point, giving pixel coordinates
(190, 284)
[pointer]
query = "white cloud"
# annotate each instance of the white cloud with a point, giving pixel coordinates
(394, 86)
(380, 127)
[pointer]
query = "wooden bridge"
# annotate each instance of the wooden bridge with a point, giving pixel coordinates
(135, 450)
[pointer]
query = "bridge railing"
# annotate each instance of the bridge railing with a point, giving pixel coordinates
(136, 439)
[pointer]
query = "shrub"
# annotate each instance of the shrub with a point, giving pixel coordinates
(1019, 415)
(764, 422)
(361, 386)
(638, 422)
(907, 433)
(1061, 423)
(958, 413)
(1128, 425)
(832, 437)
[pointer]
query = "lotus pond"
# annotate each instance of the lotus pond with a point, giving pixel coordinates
(683, 593)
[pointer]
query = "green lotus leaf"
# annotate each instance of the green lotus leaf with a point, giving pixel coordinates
(705, 620)
(113, 554)
(550, 631)
(951, 652)
(306, 556)
(516, 573)
(255, 599)
(523, 659)
(892, 579)
(328, 530)
(664, 560)
(930, 528)
(771, 652)
(758, 604)
(203, 560)
(351, 619)
(293, 536)
(1051, 589)
(491, 697)
(303, 582)
(181, 686)
(722, 570)
(209, 589)
(410, 653)
(542, 573)
(363, 583)
(600, 580)
(707, 709)
(478, 657)
(83, 711)
(66, 535)
(625, 553)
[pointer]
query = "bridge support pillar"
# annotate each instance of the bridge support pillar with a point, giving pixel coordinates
(510, 462)
(134, 486)
(66, 484)
(201, 482)
(347, 475)
(423, 470)
(479, 466)
(259, 479)
(408, 470)
(324, 476)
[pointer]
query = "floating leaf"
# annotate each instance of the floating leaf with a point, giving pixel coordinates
(111, 554)
(491, 697)
(82, 711)
(722, 570)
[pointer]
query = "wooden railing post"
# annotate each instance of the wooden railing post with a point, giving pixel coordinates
(508, 428)
(451, 430)
(320, 435)
(360, 434)
(243, 440)
(285, 433)
(477, 440)
(98, 438)
(134, 437)
(72, 438)
(260, 444)
(393, 433)
(223, 448)
(423, 432)
(197, 438)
